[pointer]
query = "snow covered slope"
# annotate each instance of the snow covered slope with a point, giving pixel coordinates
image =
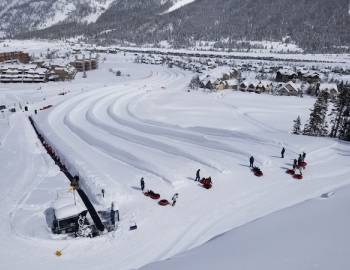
(311, 235)
(115, 130)
(25, 14)
(178, 4)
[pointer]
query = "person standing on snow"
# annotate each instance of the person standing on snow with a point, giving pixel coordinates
(300, 159)
(295, 162)
(142, 183)
(251, 161)
(282, 152)
(303, 156)
(174, 198)
(198, 177)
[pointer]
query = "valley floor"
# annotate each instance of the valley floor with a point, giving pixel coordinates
(113, 131)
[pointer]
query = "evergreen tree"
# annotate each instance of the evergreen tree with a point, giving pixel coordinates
(317, 124)
(297, 126)
(340, 111)
(345, 130)
(195, 83)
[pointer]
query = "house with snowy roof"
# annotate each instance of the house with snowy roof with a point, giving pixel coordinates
(286, 75)
(16, 73)
(289, 89)
(232, 84)
(309, 76)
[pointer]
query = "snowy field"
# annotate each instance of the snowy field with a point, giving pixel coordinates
(115, 130)
(307, 236)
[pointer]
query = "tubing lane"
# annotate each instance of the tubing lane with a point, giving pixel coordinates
(95, 217)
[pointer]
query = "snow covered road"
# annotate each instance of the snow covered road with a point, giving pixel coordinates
(149, 126)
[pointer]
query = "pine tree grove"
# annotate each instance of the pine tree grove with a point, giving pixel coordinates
(317, 124)
(340, 113)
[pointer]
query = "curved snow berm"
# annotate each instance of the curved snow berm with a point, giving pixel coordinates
(153, 128)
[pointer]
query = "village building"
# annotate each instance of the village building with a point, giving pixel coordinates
(208, 82)
(286, 75)
(83, 63)
(60, 69)
(16, 55)
(289, 89)
(24, 73)
(221, 85)
(264, 87)
(36, 73)
(232, 84)
(256, 86)
(310, 77)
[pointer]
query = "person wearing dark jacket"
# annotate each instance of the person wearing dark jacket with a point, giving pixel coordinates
(300, 159)
(304, 156)
(174, 198)
(295, 162)
(198, 177)
(142, 183)
(282, 152)
(251, 161)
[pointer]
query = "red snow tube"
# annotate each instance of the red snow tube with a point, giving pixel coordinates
(153, 195)
(298, 176)
(258, 174)
(163, 202)
(291, 172)
(206, 183)
(207, 186)
(302, 164)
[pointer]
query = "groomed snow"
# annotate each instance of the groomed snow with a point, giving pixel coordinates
(114, 130)
(311, 235)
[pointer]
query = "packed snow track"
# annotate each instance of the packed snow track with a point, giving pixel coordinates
(150, 126)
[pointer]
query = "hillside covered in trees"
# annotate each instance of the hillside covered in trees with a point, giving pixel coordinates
(320, 26)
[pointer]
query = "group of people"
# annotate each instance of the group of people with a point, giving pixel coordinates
(173, 199)
(298, 162)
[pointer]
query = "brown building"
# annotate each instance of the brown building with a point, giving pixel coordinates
(85, 64)
(20, 56)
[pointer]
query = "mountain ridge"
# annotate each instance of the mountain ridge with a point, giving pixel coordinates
(314, 25)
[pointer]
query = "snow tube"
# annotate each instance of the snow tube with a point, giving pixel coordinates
(163, 202)
(303, 164)
(290, 171)
(206, 183)
(207, 186)
(155, 196)
(298, 176)
(258, 173)
(151, 194)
